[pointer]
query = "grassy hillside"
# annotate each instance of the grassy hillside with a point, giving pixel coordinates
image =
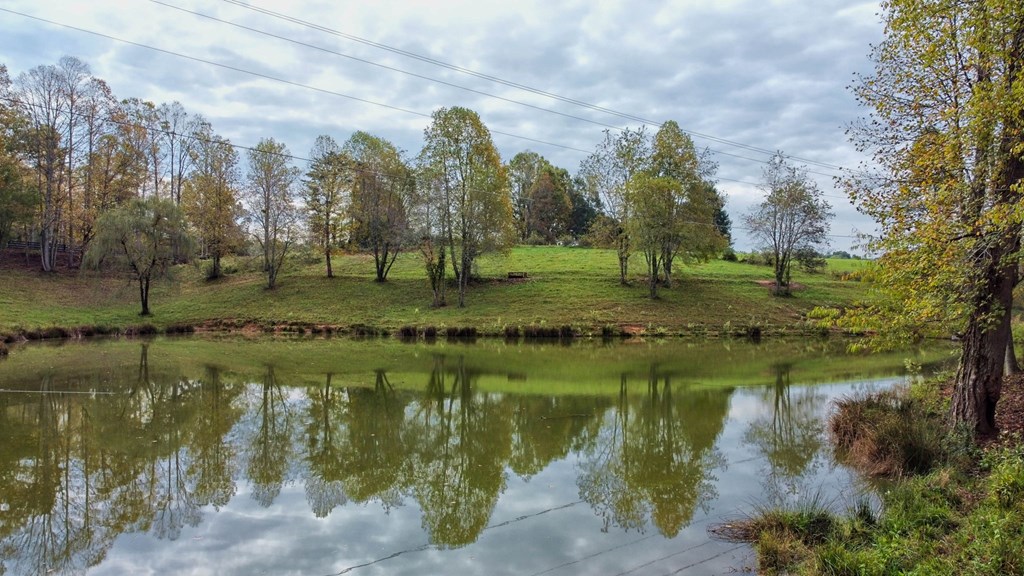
(566, 286)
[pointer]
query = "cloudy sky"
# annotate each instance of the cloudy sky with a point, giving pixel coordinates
(744, 77)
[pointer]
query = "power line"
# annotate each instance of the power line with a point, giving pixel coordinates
(384, 66)
(437, 80)
(517, 85)
(273, 78)
(363, 100)
(322, 90)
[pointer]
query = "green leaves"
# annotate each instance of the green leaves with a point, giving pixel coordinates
(142, 237)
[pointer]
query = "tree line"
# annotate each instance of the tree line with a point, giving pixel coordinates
(142, 186)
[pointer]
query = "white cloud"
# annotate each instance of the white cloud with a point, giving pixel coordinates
(771, 75)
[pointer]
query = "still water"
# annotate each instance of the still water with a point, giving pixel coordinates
(330, 457)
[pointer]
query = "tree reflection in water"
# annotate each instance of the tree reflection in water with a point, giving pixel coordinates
(141, 455)
(653, 461)
(154, 455)
(268, 439)
(789, 436)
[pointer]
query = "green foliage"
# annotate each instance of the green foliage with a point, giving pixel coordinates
(947, 138)
(327, 187)
(793, 219)
(467, 186)
(810, 261)
(211, 197)
(382, 198)
(144, 238)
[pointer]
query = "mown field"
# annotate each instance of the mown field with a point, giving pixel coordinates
(578, 287)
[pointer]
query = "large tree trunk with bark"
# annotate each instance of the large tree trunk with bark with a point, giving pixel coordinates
(979, 376)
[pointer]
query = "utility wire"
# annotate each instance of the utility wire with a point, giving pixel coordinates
(363, 100)
(435, 80)
(519, 86)
(326, 91)
(273, 78)
(385, 66)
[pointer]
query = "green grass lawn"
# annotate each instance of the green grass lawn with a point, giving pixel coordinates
(566, 286)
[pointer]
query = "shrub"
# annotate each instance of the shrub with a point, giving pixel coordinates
(539, 332)
(729, 255)
(408, 333)
(810, 260)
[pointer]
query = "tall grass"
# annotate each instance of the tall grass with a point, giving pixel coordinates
(886, 434)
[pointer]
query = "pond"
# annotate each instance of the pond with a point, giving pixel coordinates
(329, 457)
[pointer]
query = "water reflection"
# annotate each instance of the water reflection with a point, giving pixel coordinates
(654, 459)
(155, 450)
(790, 435)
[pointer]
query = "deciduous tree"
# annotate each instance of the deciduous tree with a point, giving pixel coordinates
(946, 129)
(211, 197)
(382, 192)
(142, 237)
(793, 216)
(269, 203)
(460, 155)
(523, 170)
(551, 206)
(607, 172)
(327, 194)
(694, 234)
(652, 204)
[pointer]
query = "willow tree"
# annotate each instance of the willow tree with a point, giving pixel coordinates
(947, 130)
(459, 153)
(143, 238)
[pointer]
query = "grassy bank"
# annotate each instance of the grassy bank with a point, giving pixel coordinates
(946, 506)
(572, 287)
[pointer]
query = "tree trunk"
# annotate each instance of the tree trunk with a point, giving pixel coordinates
(666, 263)
(622, 249)
(979, 376)
(654, 267)
(330, 271)
(144, 295)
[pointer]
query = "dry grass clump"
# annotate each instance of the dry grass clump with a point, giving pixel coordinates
(886, 434)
